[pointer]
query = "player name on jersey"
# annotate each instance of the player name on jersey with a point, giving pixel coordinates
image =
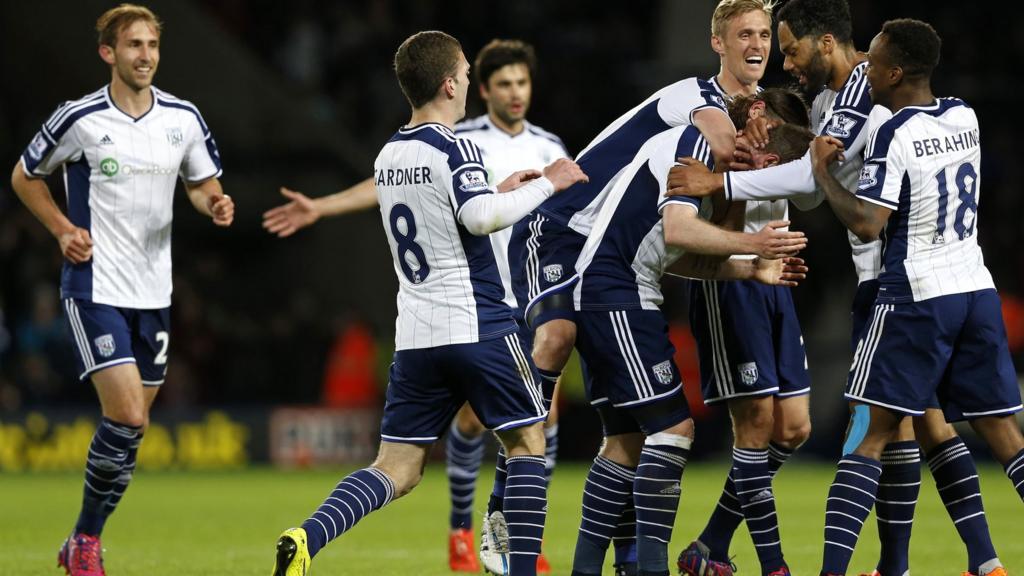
(958, 143)
(403, 176)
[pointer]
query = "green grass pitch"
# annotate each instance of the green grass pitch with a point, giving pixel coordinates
(226, 523)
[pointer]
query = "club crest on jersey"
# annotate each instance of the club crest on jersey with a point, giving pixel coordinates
(748, 373)
(552, 272)
(473, 181)
(174, 137)
(663, 372)
(868, 177)
(105, 345)
(840, 126)
(109, 167)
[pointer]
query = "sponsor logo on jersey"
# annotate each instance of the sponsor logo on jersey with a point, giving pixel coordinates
(840, 126)
(663, 372)
(552, 272)
(105, 345)
(109, 167)
(37, 147)
(473, 181)
(106, 141)
(868, 177)
(174, 137)
(748, 372)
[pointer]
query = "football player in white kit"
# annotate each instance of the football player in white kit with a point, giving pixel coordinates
(936, 338)
(504, 71)
(456, 339)
(122, 148)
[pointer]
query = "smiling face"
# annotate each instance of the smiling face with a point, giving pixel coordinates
(880, 72)
(744, 45)
(135, 56)
(802, 57)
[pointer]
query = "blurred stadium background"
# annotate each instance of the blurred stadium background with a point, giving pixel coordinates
(279, 347)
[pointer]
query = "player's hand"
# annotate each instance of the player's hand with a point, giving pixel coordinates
(757, 130)
(76, 245)
(824, 151)
(780, 272)
(743, 156)
(564, 173)
(288, 218)
(222, 207)
(691, 178)
(517, 179)
(772, 243)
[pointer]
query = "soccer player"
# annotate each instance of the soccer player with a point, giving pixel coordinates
(635, 385)
(504, 71)
(122, 149)
(815, 37)
(936, 329)
(455, 338)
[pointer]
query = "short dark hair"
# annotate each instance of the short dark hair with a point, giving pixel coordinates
(782, 103)
(912, 45)
(789, 142)
(500, 53)
(422, 63)
(818, 17)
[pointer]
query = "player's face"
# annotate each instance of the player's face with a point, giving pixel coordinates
(803, 59)
(461, 85)
(878, 72)
(508, 92)
(136, 55)
(745, 45)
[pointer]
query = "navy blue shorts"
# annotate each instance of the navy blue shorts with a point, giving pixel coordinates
(748, 340)
(549, 258)
(952, 348)
(630, 365)
(427, 387)
(105, 336)
(860, 312)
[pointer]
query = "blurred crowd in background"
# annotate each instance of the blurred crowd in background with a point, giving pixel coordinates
(257, 320)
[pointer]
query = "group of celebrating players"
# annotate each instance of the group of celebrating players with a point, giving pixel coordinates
(508, 255)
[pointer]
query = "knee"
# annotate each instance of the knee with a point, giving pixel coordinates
(525, 441)
(684, 429)
(404, 477)
(553, 342)
(129, 417)
(623, 448)
(468, 424)
(792, 434)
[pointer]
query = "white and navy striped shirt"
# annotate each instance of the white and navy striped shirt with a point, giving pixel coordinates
(925, 165)
(449, 291)
(625, 256)
(504, 154)
(615, 147)
(119, 175)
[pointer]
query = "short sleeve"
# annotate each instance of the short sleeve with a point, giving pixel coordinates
(689, 143)
(881, 178)
(469, 177)
(684, 98)
(202, 159)
(55, 144)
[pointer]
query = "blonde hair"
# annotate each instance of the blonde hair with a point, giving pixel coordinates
(111, 22)
(728, 9)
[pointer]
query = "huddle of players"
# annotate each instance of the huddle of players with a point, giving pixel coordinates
(595, 244)
(489, 319)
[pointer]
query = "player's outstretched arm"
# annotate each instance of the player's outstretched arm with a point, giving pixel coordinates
(486, 213)
(208, 198)
(685, 229)
(75, 243)
(302, 211)
(864, 219)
